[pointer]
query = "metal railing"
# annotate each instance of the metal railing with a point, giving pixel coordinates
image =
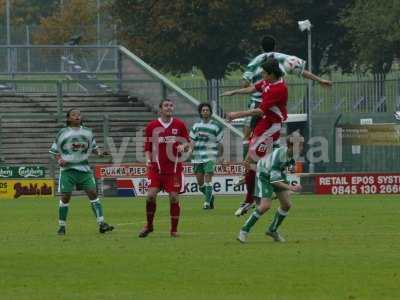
(351, 96)
(364, 95)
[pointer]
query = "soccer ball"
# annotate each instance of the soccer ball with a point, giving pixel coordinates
(292, 63)
(397, 115)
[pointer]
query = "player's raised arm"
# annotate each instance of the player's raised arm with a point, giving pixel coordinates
(247, 90)
(241, 114)
(323, 82)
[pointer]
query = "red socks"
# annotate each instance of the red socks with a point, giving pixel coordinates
(150, 211)
(174, 211)
(249, 179)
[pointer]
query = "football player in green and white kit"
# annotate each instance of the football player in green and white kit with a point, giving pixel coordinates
(206, 137)
(72, 148)
(289, 64)
(270, 179)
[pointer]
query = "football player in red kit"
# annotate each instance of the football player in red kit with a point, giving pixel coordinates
(166, 141)
(272, 111)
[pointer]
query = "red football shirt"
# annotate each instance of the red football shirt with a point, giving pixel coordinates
(161, 140)
(274, 100)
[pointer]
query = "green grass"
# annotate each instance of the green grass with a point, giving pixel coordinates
(338, 248)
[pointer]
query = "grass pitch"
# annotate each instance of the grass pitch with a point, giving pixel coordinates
(337, 248)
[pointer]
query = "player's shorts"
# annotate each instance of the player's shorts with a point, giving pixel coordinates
(204, 168)
(70, 179)
(264, 188)
(252, 120)
(264, 137)
(167, 182)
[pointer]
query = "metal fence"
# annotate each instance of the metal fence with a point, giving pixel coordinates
(350, 96)
(363, 95)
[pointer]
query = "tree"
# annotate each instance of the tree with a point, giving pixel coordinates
(28, 12)
(327, 32)
(74, 17)
(23, 14)
(374, 32)
(211, 35)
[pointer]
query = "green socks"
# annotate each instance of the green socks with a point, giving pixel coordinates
(97, 210)
(251, 220)
(208, 192)
(62, 213)
(95, 205)
(280, 215)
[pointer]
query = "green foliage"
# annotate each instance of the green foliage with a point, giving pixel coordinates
(28, 12)
(218, 36)
(74, 17)
(211, 35)
(327, 34)
(374, 31)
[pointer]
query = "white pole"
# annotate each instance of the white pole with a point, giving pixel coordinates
(310, 94)
(306, 25)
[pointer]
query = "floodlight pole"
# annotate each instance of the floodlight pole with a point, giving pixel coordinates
(306, 26)
(311, 167)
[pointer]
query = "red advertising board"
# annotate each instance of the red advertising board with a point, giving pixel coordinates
(369, 183)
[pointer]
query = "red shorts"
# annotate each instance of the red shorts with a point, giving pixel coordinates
(263, 138)
(167, 182)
